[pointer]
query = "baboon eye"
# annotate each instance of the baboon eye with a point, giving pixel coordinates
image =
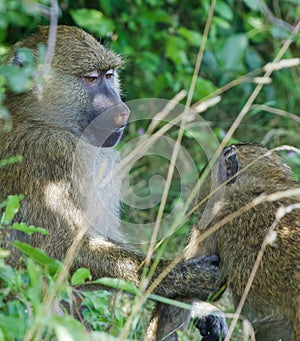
(91, 77)
(109, 73)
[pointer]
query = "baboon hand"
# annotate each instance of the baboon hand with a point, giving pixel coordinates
(210, 321)
(212, 328)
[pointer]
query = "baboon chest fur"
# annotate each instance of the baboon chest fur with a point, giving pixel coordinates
(65, 129)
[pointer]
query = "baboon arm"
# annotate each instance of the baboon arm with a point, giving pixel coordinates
(196, 277)
(166, 319)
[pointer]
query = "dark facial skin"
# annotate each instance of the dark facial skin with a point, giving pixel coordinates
(106, 113)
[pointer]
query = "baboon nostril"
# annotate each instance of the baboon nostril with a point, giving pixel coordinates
(125, 114)
(121, 118)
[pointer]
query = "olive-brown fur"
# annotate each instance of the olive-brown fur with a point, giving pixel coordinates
(273, 302)
(47, 124)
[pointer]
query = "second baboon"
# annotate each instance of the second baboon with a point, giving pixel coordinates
(273, 302)
(64, 128)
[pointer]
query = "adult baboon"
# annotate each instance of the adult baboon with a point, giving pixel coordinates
(64, 129)
(273, 302)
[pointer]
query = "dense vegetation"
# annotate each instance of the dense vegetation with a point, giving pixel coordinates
(160, 42)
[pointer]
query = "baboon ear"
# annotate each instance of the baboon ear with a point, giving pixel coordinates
(228, 165)
(23, 56)
(17, 60)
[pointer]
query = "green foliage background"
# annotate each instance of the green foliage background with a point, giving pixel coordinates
(159, 41)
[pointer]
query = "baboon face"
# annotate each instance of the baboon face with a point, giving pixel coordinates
(80, 92)
(105, 115)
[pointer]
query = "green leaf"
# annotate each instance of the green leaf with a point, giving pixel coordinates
(64, 333)
(11, 327)
(93, 21)
(279, 33)
(193, 37)
(18, 79)
(80, 276)
(255, 22)
(34, 292)
(170, 301)
(17, 18)
(28, 229)
(10, 160)
(14, 322)
(8, 275)
(223, 10)
(39, 256)
(12, 206)
(175, 50)
(116, 283)
(253, 59)
(254, 5)
(149, 60)
(68, 328)
(204, 87)
(221, 23)
(232, 52)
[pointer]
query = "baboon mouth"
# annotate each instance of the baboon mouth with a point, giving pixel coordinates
(114, 137)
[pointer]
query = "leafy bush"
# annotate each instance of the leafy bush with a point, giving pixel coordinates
(159, 41)
(31, 300)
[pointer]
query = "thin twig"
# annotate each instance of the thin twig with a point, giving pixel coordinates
(180, 134)
(275, 111)
(171, 172)
(247, 107)
(256, 91)
(36, 331)
(274, 20)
